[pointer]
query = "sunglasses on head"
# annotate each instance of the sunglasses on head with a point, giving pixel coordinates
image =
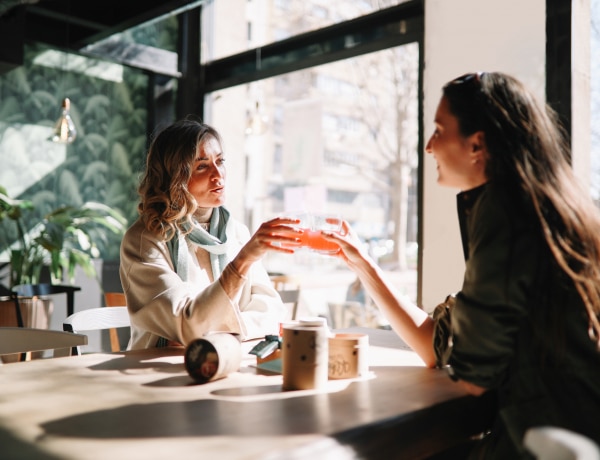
(468, 77)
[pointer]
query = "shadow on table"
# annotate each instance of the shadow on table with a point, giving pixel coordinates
(13, 448)
(373, 421)
(294, 412)
(206, 417)
(131, 363)
(358, 406)
(373, 432)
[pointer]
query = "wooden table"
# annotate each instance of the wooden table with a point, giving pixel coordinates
(142, 404)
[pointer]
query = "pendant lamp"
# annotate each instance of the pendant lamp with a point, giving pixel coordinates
(64, 130)
(257, 123)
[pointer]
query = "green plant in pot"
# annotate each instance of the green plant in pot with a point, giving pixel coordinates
(64, 239)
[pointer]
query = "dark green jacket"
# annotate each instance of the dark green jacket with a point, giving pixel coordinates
(518, 326)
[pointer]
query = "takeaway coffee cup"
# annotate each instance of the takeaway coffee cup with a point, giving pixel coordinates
(213, 356)
(304, 355)
(348, 356)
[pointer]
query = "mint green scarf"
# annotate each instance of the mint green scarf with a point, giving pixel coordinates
(214, 241)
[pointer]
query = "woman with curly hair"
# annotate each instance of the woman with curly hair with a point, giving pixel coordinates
(188, 267)
(525, 323)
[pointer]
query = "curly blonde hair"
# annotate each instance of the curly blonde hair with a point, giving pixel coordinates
(166, 205)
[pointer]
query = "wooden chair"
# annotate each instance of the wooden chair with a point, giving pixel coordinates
(114, 299)
(96, 319)
(553, 443)
(25, 339)
(7, 294)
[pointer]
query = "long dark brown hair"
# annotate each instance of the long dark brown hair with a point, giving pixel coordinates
(166, 205)
(528, 153)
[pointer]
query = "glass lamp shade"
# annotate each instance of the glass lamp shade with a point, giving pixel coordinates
(64, 130)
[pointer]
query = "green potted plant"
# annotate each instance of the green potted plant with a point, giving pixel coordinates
(65, 238)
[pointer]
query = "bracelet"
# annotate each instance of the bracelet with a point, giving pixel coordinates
(236, 272)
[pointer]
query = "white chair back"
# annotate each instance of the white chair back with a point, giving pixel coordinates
(553, 443)
(95, 319)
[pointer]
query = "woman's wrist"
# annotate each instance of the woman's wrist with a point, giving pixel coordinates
(231, 265)
(241, 265)
(232, 280)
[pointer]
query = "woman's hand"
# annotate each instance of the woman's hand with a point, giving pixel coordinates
(471, 388)
(352, 250)
(274, 235)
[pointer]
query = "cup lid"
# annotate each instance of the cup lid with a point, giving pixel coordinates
(313, 321)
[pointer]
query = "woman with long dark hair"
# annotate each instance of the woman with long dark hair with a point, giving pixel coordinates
(525, 323)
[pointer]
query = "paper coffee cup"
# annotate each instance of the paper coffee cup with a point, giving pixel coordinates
(348, 356)
(213, 356)
(304, 357)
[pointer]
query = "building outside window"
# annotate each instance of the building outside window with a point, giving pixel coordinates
(341, 137)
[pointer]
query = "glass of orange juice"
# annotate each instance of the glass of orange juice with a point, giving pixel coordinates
(305, 220)
(312, 236)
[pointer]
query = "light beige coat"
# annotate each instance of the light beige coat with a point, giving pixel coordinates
(162, 305)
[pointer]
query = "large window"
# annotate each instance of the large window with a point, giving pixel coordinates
(340, 137)
(237, 25)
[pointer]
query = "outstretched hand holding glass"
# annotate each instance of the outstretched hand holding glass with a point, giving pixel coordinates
(313, 225)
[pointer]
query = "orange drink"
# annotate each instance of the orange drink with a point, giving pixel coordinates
(314, 240)
(312, 225)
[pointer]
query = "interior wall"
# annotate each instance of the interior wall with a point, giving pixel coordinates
(464, 36)
(581, 141)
